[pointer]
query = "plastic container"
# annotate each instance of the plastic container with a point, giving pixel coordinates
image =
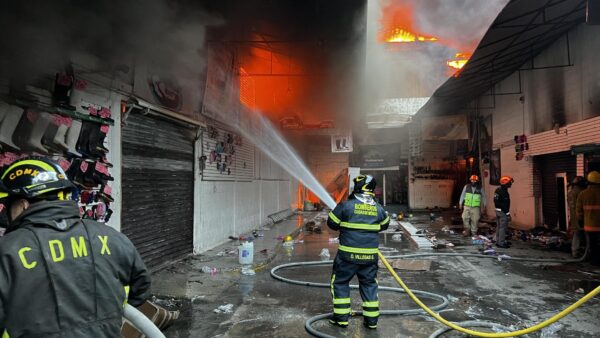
(246, 253)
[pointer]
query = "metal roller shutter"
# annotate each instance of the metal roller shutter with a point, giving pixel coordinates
(158, 188)
(550, 165)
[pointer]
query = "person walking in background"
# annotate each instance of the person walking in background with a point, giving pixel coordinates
(578, 243)
(502, 205)
(471, 200)
(588, 214)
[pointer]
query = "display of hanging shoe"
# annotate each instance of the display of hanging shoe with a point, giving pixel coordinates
(63, 84)
(40, 122)
(11, 117)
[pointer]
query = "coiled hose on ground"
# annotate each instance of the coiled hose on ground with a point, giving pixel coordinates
(444, 301)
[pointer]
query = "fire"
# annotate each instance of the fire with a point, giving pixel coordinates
(403, 35)
(459, 61)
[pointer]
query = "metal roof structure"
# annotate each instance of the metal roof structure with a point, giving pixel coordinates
(521, 31)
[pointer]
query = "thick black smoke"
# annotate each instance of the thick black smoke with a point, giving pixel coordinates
(41, 36)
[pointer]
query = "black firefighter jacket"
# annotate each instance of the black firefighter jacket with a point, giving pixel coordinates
(63, 277)
(359, 220)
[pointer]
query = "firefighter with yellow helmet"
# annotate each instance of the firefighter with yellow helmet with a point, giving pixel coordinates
(61, 276)
(472, 199)
(588, 214)
(359, 220)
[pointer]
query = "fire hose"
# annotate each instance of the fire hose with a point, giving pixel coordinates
(141, 322)
(444, 301)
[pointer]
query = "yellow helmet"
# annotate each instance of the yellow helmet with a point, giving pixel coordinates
(594, 177)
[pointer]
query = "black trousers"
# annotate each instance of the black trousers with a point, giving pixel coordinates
(343, 271)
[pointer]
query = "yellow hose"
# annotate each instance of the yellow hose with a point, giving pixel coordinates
(534, 328)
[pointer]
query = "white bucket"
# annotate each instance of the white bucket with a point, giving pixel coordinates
(246, 253)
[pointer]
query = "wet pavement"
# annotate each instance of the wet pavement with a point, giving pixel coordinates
(514, 294)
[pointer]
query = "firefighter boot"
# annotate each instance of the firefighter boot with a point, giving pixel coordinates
(9, 124)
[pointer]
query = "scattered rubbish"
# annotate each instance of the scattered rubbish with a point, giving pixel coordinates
(501, 257)
(445, 228)
(248, 271)
(450, 245)
(397, 237)
(264, 251)
(246, 253)
(195, 298)
(279, 238)
(208, 269)
(580, 291)
(409, 264)
(325, 254)
(551, 331)
(311, 226)
(224, 309)
(299, 241)
(233, 238)
(490, 252)
(334, 240)
(221, 253)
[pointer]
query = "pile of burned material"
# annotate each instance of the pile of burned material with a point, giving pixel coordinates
(311, 226)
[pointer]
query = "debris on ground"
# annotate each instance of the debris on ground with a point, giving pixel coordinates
(409, 264)
(333, 240)
(325, 255)
(551, 331)
(248, 271)
(208, 269)
(397, 238)
(580, 291)
(228, 308)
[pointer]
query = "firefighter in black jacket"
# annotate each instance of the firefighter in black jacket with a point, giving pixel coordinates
(359, 220)
(61, 276)
(502, 205)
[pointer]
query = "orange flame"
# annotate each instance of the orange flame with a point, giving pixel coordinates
(458, 62)
(402, 35)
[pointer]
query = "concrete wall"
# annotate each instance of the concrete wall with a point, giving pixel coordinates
(550, 89)
(224, 209)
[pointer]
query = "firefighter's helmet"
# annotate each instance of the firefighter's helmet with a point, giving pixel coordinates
(33, 178)
(506, 180)
(474, 178)
(594, 177)
(364, 184)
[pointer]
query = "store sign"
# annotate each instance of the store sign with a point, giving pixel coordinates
(166, 91)
(341, 143)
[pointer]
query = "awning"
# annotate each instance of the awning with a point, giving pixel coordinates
(590, 148)
(522, 30)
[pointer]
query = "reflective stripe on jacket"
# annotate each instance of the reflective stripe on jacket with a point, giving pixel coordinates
(472, 200)
(359, 224)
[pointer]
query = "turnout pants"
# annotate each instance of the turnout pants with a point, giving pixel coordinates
(343, 271)
(502, 227)
(471, 216)
(578, 244)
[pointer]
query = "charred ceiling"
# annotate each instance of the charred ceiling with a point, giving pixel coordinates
(519, 33)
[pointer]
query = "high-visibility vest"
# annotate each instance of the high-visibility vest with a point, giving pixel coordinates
(472, 199)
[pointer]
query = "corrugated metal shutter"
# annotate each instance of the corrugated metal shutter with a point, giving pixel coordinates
(549, 166)
(158, 188)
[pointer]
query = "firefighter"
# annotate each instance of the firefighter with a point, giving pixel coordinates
(471, 199)
(61, 276)
(588, 214)
(578, 243)
(359, 220)
(502, 205)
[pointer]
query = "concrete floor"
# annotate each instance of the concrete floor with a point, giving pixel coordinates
(510, 293)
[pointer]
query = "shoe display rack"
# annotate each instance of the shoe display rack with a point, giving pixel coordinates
(37, 122)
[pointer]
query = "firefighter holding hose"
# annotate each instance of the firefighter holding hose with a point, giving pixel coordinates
(359, 220)
(60, 275)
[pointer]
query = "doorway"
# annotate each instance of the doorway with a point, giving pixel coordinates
(561, 199)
